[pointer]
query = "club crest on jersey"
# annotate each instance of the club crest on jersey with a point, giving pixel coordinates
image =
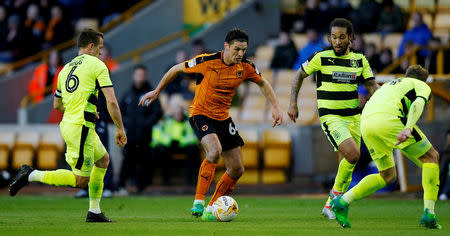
(354, 63)
(205, 128)
(239, 73)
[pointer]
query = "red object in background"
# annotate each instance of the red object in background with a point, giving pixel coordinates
(54, 117)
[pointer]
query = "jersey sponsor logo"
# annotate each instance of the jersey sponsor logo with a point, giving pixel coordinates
(343, 77)
(192, 63)
(205, 128)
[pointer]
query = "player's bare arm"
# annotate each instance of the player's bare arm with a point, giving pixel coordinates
(167, 78)
(57, 104)
(268, 92)
(296, 85)
(371, 86)
(413, 116)
(114, 111)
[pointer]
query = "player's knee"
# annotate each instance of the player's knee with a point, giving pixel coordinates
(82, 182)
(353, 157)
(434, 156)
(389, 176)
(103, 162)
(213, 155)
(237, 172)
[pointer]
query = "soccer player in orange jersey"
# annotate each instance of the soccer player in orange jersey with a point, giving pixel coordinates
(218, 77)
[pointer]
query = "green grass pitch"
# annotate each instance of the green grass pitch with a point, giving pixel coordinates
(62, 215)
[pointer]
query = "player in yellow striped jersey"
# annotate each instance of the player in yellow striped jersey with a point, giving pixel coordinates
(338, 70)
(77, 92)
(388, 121)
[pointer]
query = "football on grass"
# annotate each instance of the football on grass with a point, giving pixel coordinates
(225, 208)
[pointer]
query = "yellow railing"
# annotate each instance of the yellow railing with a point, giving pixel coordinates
(411, 55)
(135, 55)
(125, 16)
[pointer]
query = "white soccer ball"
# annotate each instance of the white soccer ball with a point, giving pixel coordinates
(225, 208)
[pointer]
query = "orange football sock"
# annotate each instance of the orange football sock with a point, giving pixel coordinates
(224, 187)
(205, 177)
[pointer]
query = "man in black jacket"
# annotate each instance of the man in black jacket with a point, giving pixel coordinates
(138, 123)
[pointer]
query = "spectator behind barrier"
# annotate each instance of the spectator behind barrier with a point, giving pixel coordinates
(138, 123)
(419, 35)
(315, 44)
(285, 53)
(45, 77)
(105, 56)
(370, 51)
(174, 135)
(391, 18)
(181, 84)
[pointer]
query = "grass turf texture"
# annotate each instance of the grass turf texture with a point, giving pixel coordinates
(62, 215)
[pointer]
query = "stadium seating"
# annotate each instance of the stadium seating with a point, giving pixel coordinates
(300, 40)
(263, 56)
(24, 149)
(250, 151)
(49, 150)
(6, 144)
(392, 41)
(276, 145)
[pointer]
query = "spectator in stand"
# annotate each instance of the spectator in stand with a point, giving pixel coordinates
(337, 9)
(431, 59)
(3, 25)
(199, 47)
(315, 18)
(45, 9)
(358, 43)
(315, 43)
(59, 28)
(391, 18)
(364, 18)
(174, 135)
(138, 121)
(45, 77)
(419, 34)
(180, 85)
(408, 46)
(285, 53)
(11, 46)
(108, 60)
(32, 31)
(370, 51)
(385, 59)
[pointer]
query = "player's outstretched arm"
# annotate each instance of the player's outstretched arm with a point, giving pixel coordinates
(296, 85)
(371, 86)
(57, 104)
(170, 75)
(114, 112)
(414, 114)
(268, 92)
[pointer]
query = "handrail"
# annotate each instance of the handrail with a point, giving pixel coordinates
(135, 54)
(125, 16)
(412, 55)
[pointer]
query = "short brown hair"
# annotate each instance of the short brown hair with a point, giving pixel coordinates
(417, 72)
(88, 36)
